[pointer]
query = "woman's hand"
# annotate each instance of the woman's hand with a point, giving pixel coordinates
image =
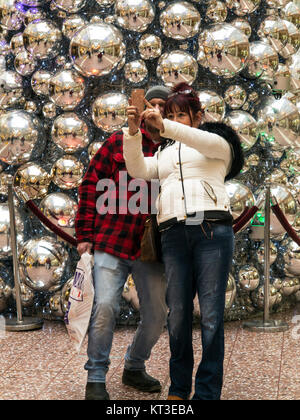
(153, 115)
(134, 119)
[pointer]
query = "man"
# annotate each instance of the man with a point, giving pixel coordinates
(115, 237)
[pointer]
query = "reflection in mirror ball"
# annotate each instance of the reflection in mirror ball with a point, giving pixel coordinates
(243, 7)
(96, 49)
(213, 105)
(224, 49)
(31, 181)
(42, 263)
(150, 46)
(11, 88)
(245, 125)
(177, 66)
(21, 137)
(180, 20)
(5, 236)
(66, 89)
(67, 172)
(135, 71)
(109, 111)
(61, 210)
(135, 15)
(42, 39)
(70, 132)
(279, 119)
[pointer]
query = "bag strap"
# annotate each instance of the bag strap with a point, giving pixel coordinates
(181, 177)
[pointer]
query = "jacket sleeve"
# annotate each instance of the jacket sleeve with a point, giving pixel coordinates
(209, 144)
(137, 165)
(100, 167)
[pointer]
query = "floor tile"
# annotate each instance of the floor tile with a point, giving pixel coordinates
(42, 364)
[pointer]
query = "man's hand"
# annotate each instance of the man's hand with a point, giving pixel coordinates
(84, 247)
(153, 114)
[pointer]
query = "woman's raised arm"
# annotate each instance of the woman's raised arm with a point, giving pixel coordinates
(209, 144)
(138, 166)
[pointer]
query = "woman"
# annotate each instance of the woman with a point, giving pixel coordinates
(196, 229)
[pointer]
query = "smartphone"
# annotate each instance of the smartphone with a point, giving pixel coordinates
(137, 98)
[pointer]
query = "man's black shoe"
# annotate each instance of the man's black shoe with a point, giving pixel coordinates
(96, 391)
(140, 380)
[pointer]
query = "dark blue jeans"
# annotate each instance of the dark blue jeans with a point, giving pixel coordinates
(197, 260)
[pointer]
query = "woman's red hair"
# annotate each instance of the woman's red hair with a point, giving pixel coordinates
(184, 98)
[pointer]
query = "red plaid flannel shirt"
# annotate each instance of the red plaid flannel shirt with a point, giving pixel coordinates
(113, 232)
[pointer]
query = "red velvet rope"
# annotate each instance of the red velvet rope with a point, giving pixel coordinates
(245, 219)
(285, 224)
(241, 215)
(239, 222)
(59, 232)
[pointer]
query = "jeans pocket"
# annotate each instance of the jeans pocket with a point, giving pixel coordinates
(221, 230)
(105, 260)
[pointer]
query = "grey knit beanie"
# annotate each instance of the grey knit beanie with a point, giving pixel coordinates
(158, 91)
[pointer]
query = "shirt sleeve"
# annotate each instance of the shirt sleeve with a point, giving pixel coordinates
(209, 144)
(138, 166)
(100, 167)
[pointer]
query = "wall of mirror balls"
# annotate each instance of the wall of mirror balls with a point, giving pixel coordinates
(67, 68)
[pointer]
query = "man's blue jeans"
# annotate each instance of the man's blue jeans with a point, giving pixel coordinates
(197, 259)
(110, 274)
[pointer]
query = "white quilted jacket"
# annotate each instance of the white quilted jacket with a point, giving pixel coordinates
(205, 161)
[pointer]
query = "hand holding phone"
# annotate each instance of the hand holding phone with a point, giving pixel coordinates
(136, 107)
(137, 99)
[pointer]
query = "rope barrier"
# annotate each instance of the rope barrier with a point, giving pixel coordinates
(244, 219)
(59, 232)
(285, 224)
(238, 223)
(241, 215)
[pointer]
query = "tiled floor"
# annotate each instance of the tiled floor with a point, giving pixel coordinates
(42, 365)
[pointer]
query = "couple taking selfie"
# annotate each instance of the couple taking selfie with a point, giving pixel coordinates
(169, 142)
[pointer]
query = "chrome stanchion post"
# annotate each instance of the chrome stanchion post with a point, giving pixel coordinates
(18, 323)
(267, 256)
(266, 325)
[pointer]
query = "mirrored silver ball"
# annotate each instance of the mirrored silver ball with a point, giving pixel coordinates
(42, 263)
(5, 236)
(11, 89)
(70, 132)
(135, 15)
(245, 126)
(66, 89)
(10, 15)
(22, 137)
(109, 111)
(177, 66)
(150, 46)
(180, 20)
(135, 71)
(61, 210)
(213, 105)
(97, 49)
(248, 277)
(67, 172)
(223, 49)
(42, 39)
(241, 197)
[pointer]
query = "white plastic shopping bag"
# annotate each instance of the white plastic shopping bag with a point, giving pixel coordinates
(78, 313)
